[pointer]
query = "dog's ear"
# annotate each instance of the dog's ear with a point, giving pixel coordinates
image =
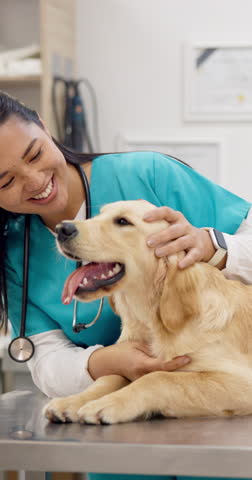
(179, 299)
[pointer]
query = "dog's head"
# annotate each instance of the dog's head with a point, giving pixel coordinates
(113, 247)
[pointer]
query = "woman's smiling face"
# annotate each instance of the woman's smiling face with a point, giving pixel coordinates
(33, 171)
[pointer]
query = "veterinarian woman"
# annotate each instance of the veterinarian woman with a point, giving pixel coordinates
(39, 178)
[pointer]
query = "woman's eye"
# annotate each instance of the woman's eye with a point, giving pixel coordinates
(7, 184)
(122, 221)
(36, 156)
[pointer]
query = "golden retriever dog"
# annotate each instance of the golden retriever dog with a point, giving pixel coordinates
(195, 311)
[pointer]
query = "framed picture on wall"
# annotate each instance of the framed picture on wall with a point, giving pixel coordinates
(203, 154)
(218, 82)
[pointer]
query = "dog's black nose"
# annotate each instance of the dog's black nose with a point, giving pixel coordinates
(65, 231)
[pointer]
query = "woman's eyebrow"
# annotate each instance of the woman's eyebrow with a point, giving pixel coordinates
(29, 148)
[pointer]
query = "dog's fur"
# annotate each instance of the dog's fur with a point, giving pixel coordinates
(195, 311)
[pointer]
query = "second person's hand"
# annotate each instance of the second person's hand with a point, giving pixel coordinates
(179, 236)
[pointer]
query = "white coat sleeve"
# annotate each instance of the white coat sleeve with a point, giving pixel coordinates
(59, 367)
(239, 259)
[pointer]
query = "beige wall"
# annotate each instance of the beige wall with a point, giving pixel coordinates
(131, 51)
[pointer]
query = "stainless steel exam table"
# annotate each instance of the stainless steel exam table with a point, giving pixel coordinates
(203, 447)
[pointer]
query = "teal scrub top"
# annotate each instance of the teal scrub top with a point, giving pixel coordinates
(124, 176)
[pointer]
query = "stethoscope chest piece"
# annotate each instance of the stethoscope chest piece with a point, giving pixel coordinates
(21, 349)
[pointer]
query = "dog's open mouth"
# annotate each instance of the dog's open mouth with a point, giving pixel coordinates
(91, 277)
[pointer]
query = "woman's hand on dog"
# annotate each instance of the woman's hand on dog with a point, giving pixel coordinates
(130, 360)
(178, 236)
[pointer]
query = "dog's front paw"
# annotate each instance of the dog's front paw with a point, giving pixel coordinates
(62, 410)
(106, 410)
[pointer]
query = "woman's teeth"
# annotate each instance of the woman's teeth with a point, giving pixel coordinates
(46, 192)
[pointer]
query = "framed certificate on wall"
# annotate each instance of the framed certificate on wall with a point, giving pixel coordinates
(218, 83)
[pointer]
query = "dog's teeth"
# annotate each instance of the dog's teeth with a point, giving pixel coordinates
(103, 276)
(85, 281)
(116, 269)
(110, 273)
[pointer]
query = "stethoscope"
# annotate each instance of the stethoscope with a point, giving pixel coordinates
(21, 348)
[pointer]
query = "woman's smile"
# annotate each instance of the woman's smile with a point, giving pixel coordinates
(47, 194)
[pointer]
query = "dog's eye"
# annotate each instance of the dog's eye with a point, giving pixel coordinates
(122, 222)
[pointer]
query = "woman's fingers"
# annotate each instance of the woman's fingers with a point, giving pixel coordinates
(162, 213)
(156, 364)
(191, 257)
(177, 362)
(178, 227)
(171, 232)
(178, 236)
(175, 246)
(146, 363)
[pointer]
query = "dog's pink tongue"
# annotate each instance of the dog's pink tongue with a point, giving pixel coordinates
(71, 284)
(93, 273)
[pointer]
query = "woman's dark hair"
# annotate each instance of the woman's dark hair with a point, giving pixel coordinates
(10, 107)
